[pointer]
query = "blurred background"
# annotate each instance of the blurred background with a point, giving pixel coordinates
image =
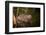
(35, 12)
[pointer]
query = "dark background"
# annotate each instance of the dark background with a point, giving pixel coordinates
(35, 12)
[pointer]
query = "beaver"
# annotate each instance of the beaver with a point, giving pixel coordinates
(24, 21)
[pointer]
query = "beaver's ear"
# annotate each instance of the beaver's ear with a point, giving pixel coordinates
(29, 16)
